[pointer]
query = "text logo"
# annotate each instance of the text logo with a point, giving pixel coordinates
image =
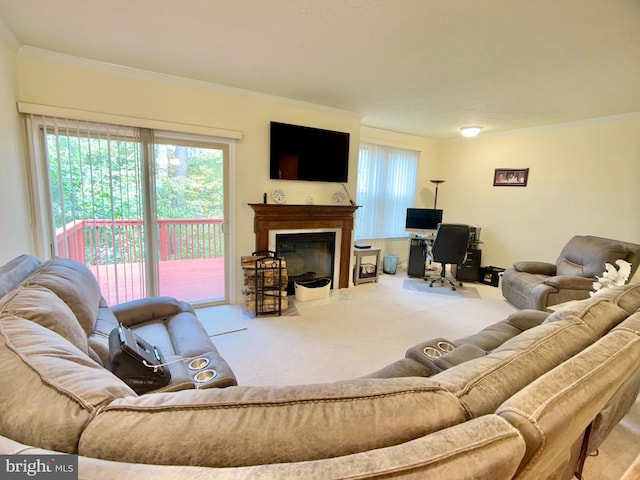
(50, 467)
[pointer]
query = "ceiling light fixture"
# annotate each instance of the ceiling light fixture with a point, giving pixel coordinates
(470, 131)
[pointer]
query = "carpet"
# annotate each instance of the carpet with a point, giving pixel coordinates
(422, 286)
(290, 311)
(335, 296)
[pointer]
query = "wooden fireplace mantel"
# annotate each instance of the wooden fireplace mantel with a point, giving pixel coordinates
(292, 217)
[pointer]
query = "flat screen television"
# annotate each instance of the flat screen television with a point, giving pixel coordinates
(306, 153)
(419, 219)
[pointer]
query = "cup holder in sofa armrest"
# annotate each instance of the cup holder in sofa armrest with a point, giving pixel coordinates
(198, 363)
(445, 346)
(427, 352)
(439, 349)
(206, 370)
(204, 376)
(431, 352)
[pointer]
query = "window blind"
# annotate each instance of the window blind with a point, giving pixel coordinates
(386, 187)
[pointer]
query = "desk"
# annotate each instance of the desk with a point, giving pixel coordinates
(366, 272)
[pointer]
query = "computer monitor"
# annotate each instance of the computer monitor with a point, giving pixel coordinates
(423, 219)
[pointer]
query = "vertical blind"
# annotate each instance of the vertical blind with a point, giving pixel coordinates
(96, 183)
(386, 188)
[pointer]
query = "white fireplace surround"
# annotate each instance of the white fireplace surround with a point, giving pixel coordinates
(336, 253)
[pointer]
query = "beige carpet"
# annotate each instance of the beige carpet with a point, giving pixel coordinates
(358, 330)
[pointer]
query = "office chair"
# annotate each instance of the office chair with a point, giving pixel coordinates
(449, 248)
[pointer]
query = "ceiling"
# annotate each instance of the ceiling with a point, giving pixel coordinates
(424, 67)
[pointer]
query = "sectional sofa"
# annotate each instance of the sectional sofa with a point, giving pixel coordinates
(528, 397)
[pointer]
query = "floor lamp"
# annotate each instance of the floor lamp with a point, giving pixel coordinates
(435, 200)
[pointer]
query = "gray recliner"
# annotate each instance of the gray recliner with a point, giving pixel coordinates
(538, 285)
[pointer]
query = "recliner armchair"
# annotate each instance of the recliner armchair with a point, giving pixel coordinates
(538, 285)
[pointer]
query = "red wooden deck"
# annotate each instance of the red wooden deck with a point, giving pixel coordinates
(190, 280)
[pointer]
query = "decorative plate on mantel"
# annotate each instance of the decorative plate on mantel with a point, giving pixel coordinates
(278, 196)
(338, 197)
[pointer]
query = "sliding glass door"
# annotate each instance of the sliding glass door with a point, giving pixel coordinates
(190, 206)
(143, 210)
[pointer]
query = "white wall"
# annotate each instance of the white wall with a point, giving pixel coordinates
(583, 179)
(15, 216)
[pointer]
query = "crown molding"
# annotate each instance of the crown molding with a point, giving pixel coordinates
(51, 56)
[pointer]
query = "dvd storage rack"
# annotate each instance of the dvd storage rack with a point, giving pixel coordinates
(265, 283)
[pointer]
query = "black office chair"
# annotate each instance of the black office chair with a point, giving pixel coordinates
(449, 248)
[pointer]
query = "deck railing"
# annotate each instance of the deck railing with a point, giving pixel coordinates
(105, 242)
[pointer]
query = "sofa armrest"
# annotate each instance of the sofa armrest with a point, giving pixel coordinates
(542, 268)
(527, 318)
(563, 282)
(147, 309)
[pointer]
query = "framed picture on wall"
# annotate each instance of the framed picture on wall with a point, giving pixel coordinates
(510, 177)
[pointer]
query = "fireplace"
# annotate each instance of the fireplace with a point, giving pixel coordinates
(272, 219)
(310, 254)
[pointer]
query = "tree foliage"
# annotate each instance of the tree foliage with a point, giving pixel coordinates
(98, 178)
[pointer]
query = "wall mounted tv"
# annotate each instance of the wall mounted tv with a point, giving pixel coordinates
(306, 153)
(423, 219)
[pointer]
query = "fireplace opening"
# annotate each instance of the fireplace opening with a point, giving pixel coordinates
(309, 256)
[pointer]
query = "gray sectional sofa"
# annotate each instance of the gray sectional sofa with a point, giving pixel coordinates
(528, 397)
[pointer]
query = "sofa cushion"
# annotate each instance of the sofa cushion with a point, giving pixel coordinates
(239, 426)
(626, 297)
(490, 337)
(42, 306)
(599, 314)
(461, 354)
(66, 388)
(484, 383)
(74, 284)
(585, 256)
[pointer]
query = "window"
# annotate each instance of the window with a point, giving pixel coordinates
(143, 209)
(386, 188)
